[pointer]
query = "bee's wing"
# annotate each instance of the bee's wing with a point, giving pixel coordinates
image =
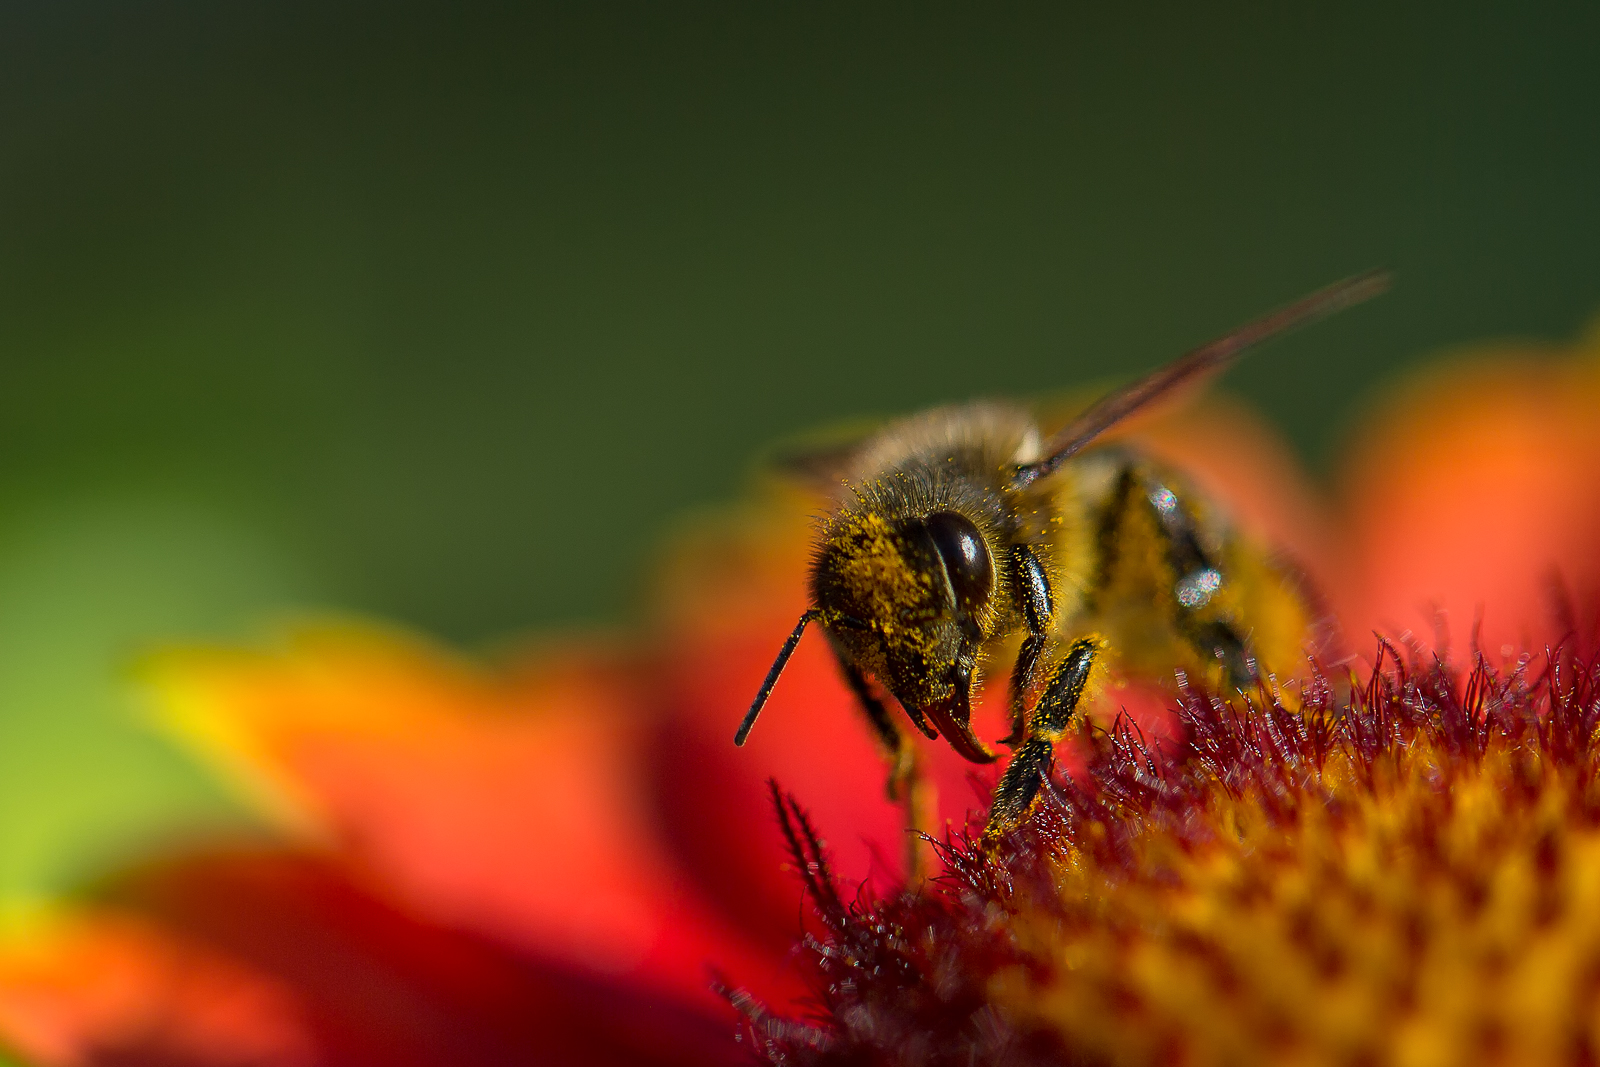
(822, 468)
(824, 460)
(1195, 366)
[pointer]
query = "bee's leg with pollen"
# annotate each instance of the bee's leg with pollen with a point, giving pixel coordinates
(1051, 718)
(907, 785)
(1033, 600)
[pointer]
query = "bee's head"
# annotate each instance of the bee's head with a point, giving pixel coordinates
(903, 599)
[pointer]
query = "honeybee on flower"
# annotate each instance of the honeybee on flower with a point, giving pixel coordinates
(963, 537)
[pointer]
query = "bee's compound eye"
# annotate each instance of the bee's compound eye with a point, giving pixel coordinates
(966, 557)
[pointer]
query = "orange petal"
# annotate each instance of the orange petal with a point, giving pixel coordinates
(98, 985)
(1475, 495)
(510, 806)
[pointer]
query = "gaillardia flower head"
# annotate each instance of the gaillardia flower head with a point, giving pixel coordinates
(1397, 860)
(1405, 873)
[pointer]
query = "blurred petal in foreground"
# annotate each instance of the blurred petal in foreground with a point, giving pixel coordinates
(476, 879)
(510, 806)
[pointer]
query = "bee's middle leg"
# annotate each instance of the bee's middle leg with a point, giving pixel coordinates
(1198, 578)
(907, 785)
(1052, 716)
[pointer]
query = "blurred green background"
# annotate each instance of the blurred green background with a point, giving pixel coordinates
(443, 315)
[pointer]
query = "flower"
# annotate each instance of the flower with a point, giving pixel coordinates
(538, 862)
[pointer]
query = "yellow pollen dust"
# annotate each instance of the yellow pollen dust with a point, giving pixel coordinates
(876, 576)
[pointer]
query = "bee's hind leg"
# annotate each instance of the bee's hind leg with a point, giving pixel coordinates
(1052, 716)
(907, 785)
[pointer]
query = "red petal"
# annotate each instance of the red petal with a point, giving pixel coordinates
(380, 986)
(277, 960)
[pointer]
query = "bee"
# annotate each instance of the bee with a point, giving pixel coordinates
(962, 536)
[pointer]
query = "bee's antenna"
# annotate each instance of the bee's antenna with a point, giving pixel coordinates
(772, 675)
(1203, 361)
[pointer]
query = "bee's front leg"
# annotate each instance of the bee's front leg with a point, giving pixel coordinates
(1032, 594)
(1051, 718)
(907, 785)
